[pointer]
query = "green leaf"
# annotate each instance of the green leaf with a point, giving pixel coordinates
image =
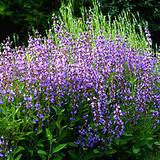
(111, 151)
(135, 150)
(150, 145)
(132, 79)
(20, 138)
(59, 147)
(120, 141)
(28, 57)
(40, 145)
(128, 135)
(18, 157)
(58, 124)
(72, 144)
(49, 134)
(19, 149)
(96, 151)
(157, 143)
(42, 153)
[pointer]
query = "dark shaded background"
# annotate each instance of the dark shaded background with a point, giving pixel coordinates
(21, 16)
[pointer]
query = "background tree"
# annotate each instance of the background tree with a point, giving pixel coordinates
(20, 16)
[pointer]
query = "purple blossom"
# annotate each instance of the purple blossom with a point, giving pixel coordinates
(1, 102)
(1, 155)
(107, 76)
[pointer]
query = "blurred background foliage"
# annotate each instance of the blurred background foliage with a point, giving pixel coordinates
(21, 16)
(149, 10)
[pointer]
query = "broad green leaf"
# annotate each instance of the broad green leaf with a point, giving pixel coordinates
(157, 143)
(42, 153)
(135, 150)
(40, 145)
(59, 147)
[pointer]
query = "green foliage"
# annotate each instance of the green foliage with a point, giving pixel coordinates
(24, 15)
(44, 143)
(147, 9)
(124, 24)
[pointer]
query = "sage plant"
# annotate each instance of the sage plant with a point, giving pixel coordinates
(118, 84)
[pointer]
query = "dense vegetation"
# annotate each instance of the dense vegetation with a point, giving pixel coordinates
(22, 15)
(147, 9)
(87, 90)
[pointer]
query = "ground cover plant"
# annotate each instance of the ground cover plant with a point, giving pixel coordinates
(89, 90)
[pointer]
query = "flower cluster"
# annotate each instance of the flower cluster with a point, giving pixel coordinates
(116, 82)
(4, 147)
